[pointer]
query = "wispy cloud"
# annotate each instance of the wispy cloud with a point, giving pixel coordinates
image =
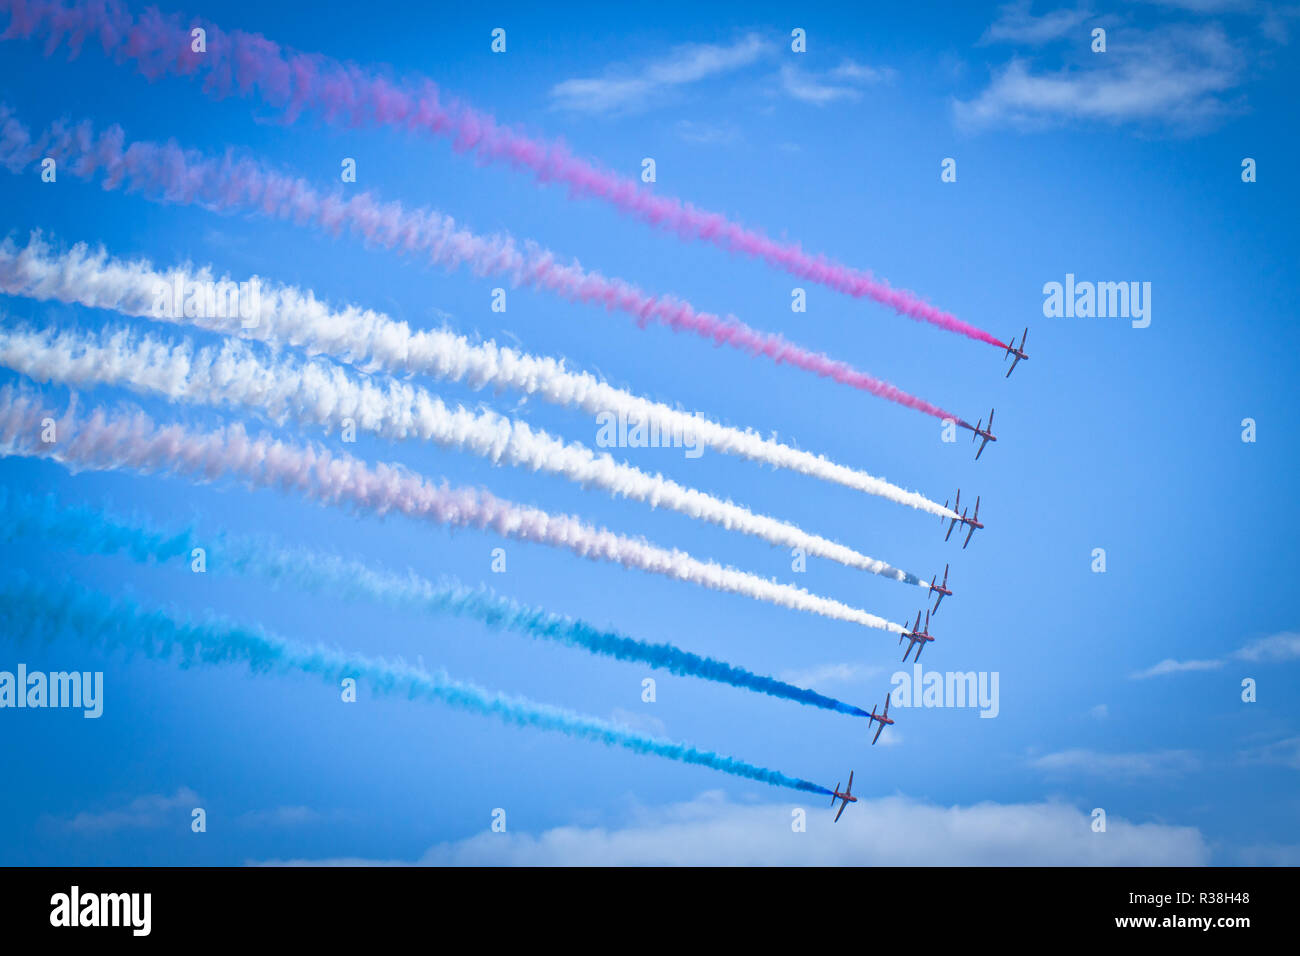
(1171, 666)
(623, 88)
(1207, 6)
(1272, 19)
(150, 810)
(1182, 78)
(1160, 763)
(289, 816)
(707, 134)
(1276, 647)
(1271, 854)
(1016, 23)
(844, 82)
(884, 832)
(815, 677)
(639, 721)
(1284, 752)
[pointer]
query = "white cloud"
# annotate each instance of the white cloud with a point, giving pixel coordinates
(639, 721)
(1179, 77)
(890, 831)
(623, 89)
(1284, 752)
(1016, 24)
(707, 134)
(1275, 854)
(1275, 23)
(289, 817)
(855, 72)
(1128, 765)
(830, 674)
(1276, 647)
(336, 861)
(1205, 6)
(1171, 666)
(1100, 712)
(845, 82)
(150, 810)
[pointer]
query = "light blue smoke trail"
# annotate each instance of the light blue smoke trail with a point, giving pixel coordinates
(89, 530)
(36, 611)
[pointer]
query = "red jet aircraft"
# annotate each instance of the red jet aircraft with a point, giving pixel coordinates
(916, 637)
(942, 589)
(973, 522)
(985, 433)
(882, 719)
(1019, 353)
(846, 797)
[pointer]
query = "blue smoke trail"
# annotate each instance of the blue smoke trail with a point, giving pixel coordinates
(92, 531)
(48, 611)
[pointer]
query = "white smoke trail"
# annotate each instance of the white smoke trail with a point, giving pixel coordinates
(321, 393)
(130, 440)
(285, 315)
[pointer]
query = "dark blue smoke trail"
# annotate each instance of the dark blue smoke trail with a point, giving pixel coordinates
(30, 611)
(90, 530)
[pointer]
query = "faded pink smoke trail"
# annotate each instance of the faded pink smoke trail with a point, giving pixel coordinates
(248, 64)
(167, 173)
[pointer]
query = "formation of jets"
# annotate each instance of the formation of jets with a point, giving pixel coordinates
(973, 523)
(917, 637)
(847, 796)
(942, 589)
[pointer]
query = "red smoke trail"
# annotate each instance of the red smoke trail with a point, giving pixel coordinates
(248, 64)
(167, 173)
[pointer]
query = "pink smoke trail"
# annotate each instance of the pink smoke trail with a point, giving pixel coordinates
(248, 64)
(167, 173)
(129, 440)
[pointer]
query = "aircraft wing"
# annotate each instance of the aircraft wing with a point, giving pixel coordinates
(843, 804)
(968, 536)
(981, 451)
(877, 737)
(1013, 366)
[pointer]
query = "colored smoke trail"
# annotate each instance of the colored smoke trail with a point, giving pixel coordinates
(92, 531)
(167, 173)
(285, 315)
(321, 393)
(49, 611)
(249, 65)
(130, 440)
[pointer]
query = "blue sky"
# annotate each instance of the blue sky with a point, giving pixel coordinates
(1122, 166)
